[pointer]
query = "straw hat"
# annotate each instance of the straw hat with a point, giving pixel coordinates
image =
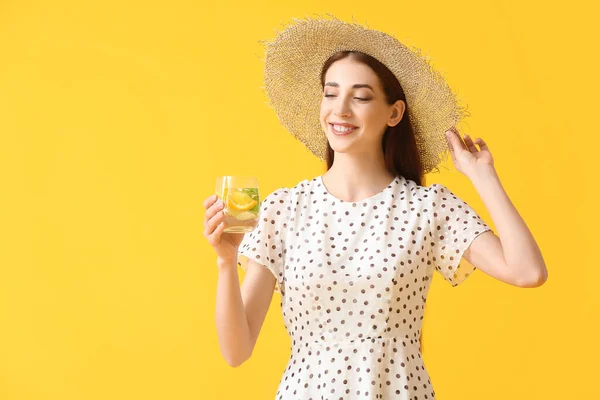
(293, 63)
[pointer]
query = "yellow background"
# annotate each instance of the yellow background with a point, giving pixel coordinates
(116, 118)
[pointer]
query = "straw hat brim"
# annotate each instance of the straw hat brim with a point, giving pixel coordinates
(293, 63)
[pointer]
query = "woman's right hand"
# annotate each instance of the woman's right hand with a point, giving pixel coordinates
(225, 244)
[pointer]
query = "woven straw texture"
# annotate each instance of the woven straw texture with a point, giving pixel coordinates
(293, 62)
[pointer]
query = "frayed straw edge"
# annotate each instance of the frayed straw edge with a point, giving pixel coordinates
(438, 74)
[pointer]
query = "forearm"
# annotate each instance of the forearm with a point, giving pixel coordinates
(232, 324)
(521, 252)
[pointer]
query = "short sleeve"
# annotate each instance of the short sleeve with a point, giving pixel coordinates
(453, 227)
(265, 243)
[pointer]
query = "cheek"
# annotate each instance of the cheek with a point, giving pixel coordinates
(323, 110)
(374, 116)
(323, 115)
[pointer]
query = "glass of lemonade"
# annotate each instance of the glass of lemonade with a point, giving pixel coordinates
(241, 202)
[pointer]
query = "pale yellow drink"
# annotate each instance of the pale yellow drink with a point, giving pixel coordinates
(241, 202)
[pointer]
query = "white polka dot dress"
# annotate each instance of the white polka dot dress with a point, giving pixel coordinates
(353, 279)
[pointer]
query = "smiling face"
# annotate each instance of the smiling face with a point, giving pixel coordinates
(353, 95)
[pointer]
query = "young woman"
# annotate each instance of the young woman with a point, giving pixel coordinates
(353, 251)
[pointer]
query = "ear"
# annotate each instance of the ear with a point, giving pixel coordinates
(397, 113)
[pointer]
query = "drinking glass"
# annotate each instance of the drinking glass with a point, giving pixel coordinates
(241, 202)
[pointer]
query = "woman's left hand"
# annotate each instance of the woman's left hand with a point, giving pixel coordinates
(465, 155)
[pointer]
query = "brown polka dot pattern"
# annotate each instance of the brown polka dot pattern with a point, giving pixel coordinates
(354, 278)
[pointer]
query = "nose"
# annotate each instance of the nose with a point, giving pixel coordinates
(341, 108)
(345, 114)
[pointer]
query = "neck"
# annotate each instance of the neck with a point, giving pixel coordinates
(353, 177)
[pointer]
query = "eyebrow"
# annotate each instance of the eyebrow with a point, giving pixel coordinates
(355, 86)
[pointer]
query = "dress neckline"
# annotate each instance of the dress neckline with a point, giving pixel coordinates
(387, 188)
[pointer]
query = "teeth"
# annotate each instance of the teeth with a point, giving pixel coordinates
(341, 128)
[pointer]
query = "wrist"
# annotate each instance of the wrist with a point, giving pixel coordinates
(484, 174)
(227, 263)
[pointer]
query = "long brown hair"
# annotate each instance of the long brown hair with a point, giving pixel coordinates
(399, 146)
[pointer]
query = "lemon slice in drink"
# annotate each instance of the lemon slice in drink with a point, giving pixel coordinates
(240, 201)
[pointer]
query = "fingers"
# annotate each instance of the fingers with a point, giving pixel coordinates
(213, 218)
(470, 145)
(482, 145)
(456, 139)
(210, 201)
(215, 208)
(214, 235)
(214, 205)
(214, 223)
(450, 140)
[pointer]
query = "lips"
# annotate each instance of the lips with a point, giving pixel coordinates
(341, 133)
(345, 124)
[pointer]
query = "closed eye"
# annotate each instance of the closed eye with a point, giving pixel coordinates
(358, 98)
